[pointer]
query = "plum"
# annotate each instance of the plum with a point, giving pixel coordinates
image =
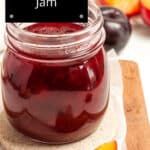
(118, 28)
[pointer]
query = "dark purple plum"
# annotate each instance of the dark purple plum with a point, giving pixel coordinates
(118, 28)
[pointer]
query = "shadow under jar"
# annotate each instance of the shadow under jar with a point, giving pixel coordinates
(55, 83)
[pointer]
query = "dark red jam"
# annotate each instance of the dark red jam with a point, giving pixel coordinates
(54, 28)
(54, 103)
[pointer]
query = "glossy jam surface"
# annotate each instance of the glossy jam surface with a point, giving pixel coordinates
(54, 28)
(55, 104)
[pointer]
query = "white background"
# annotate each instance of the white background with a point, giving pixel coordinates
(138, 49)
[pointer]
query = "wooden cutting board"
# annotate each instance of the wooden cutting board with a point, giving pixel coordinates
(138, 132)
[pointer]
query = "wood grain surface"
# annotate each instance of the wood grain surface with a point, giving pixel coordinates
(138, 135)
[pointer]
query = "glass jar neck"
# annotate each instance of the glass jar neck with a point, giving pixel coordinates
(63, 47)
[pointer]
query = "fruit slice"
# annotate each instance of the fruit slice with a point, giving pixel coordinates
(108, 146)
(129, 7)
(145, 10)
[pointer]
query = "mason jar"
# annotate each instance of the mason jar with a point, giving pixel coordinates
(55, 84)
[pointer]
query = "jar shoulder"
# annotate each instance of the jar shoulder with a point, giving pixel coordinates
(81, 76)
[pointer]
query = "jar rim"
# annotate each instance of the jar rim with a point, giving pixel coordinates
(99, 18)
(75, 45)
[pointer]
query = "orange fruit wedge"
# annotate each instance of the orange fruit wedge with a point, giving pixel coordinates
(146, 3)
(129, 7)
(108, 146)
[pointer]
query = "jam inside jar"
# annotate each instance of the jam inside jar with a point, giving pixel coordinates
(54, 78)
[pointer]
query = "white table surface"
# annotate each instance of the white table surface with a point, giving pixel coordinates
(138, 49)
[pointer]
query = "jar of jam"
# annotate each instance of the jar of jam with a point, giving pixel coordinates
(55, 83)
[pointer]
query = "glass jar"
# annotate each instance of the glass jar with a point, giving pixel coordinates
(55, 84)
